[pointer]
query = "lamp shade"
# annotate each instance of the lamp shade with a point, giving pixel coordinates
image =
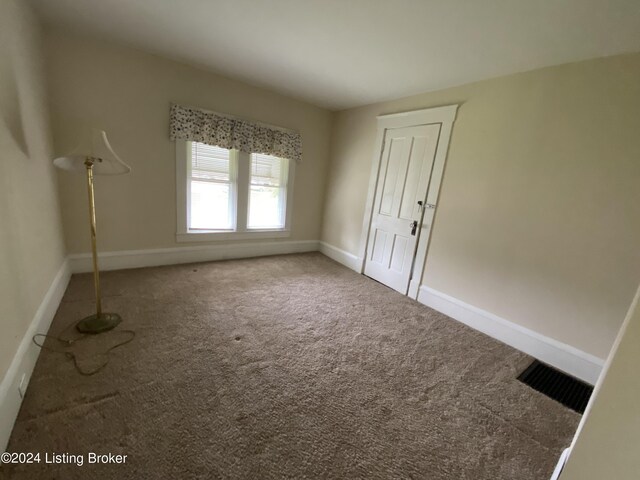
(97, 147)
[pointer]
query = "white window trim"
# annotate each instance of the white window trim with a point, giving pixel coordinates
(184, 234)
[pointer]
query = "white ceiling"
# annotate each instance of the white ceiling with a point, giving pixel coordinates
(345, 53)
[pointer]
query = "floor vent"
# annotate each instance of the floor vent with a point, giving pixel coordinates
(563, 388)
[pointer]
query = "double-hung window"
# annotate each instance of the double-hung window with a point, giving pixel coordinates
(225, 194)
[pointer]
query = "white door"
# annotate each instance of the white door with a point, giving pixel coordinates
(399, 203)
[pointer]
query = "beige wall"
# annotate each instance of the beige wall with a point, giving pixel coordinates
(606, 446)
(31, 246)
(539, 214)
(127, 93)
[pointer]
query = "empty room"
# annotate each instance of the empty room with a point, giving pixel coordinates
(332, 239)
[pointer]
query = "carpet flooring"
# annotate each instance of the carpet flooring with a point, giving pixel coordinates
(282, 367)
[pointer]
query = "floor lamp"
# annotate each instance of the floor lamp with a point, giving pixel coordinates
(98, 158)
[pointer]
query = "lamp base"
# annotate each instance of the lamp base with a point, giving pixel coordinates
(98, 323)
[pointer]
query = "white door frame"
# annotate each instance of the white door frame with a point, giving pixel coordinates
(445, 116)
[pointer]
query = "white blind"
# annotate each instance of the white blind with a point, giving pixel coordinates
(267, 170)
(209, 163)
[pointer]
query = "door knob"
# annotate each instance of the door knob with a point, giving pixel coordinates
(414, 226)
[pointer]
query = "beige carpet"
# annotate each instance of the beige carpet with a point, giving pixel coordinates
(285, 367)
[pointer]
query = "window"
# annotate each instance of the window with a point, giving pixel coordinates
(268, 191)
(226, 194)
(211, 188)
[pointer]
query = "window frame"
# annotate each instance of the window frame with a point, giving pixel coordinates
(241, 190)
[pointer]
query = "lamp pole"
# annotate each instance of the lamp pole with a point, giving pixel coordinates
(100, 322)
(92, 220)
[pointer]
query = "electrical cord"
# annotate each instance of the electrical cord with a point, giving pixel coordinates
(70, 341)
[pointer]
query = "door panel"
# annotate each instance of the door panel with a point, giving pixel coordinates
(405, 169)
(394, 163)
(398, 253)
(377, 252)
(416, 177)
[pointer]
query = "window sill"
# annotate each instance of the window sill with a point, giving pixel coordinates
(209, 236)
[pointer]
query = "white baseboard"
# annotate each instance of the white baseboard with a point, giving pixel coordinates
(25, 358)
(347, 259)
(569, 359)
(81, 263)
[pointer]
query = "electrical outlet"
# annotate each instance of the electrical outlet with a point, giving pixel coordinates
(22, 387)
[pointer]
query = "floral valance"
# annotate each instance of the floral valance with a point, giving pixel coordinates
(194, 124)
